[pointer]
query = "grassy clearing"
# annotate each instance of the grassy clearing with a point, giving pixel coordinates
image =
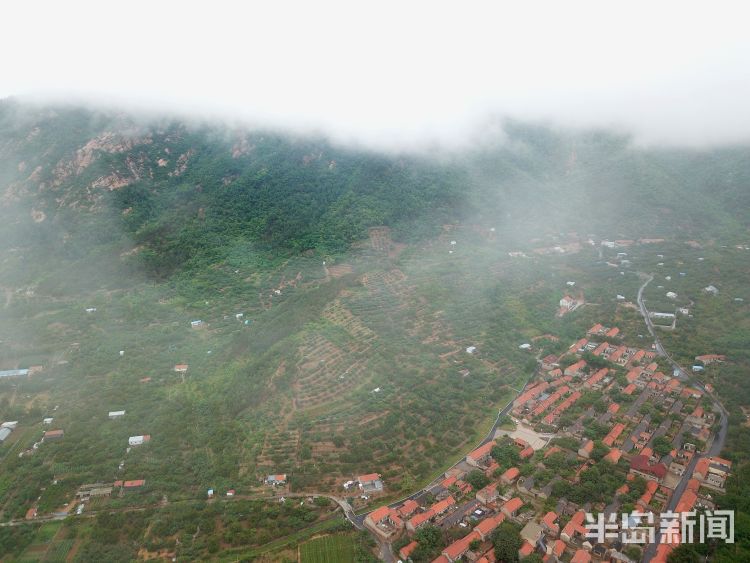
(328, 549)
(46, 532)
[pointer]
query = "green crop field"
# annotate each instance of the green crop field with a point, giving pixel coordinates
(338, 548)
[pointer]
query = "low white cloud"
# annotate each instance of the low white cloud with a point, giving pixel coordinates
(395, 73)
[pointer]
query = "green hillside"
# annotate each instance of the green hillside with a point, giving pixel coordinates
(336, 309)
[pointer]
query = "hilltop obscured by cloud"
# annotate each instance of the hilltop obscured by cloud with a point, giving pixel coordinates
(393, 75)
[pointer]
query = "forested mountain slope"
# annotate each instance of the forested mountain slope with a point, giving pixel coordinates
(185, 194)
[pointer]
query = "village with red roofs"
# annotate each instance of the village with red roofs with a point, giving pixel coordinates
(600, 429)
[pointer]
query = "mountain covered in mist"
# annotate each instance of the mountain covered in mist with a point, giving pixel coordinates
(171, 196)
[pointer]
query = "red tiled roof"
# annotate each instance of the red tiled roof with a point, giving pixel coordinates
(687, 501)
(596, 378)
(702, 466)
(614, 331)
(549, 520)
(134, 483)
(449, 481)
(526, 452)
(510, 474)
(488, 524)
(405, 551)
(421, 518)
(599, 350)
(512, 505)
(575, 524)
(379, 514)
(633, 374)
(641, 463)
(443, 505)
(576, 367)
(368, 478)
(526, 549)
(721, 461)
(459, 547)
(581, 556)
(482, 451)
(613, 408)
(408, 508)
(629, 389)
(613, 456)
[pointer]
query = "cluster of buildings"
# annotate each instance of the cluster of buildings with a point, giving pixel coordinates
(652, 429)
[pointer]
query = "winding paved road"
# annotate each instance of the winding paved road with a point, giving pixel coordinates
(717, 444)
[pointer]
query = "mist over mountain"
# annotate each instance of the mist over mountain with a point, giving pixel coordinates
(168, 195)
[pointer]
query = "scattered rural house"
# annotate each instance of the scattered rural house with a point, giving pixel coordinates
(370, 482)
(181, 368)
(86, 492)
(197, 324)
(47, 420)
(231, 492)
(54, 435)
(13, 372)
(4, 433)
(134, 484)
(115, 414)
(279, 479)
(711, 290)
(569, 304)
(138, 440)
(31, 513)
(708, 359)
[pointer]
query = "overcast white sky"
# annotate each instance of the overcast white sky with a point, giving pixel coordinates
(395, 73)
